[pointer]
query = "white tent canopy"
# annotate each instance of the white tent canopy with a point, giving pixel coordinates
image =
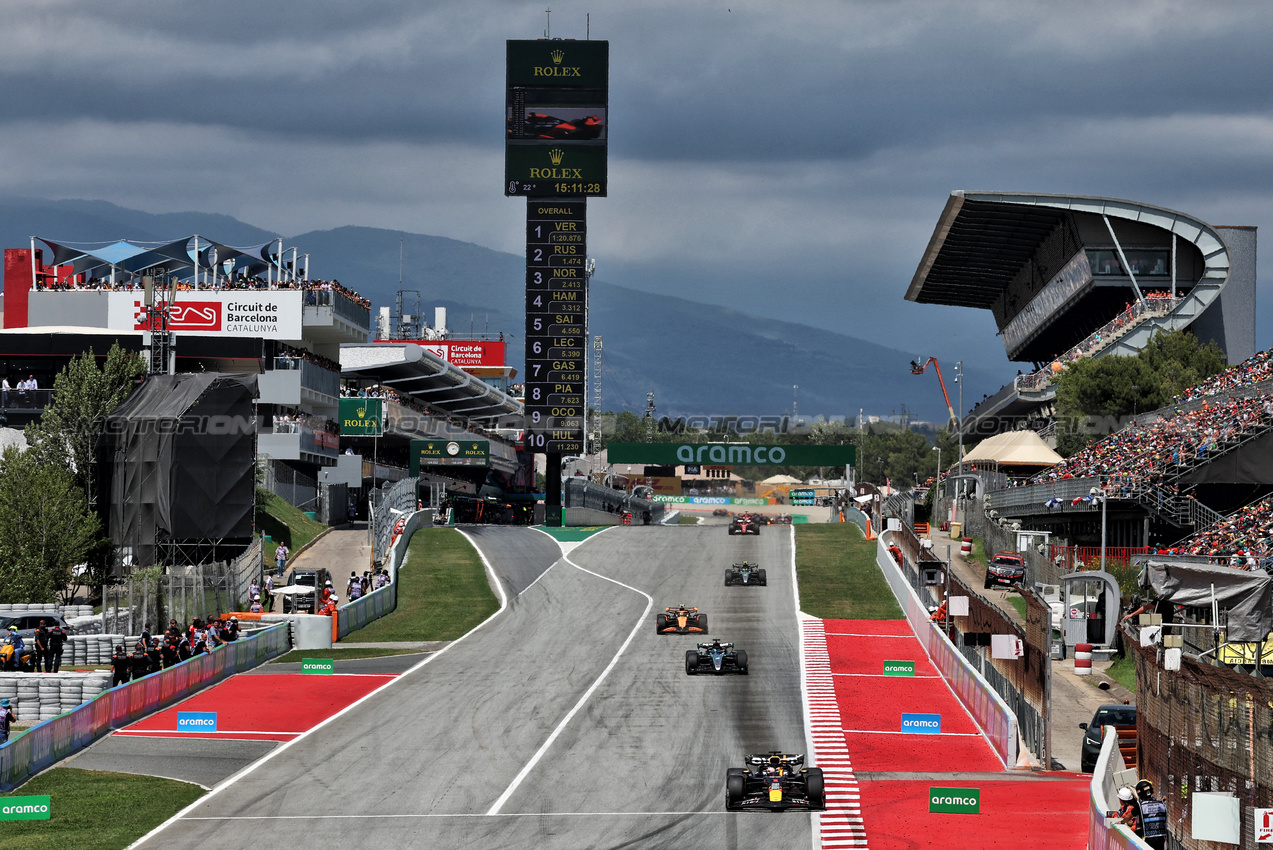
(781, 479)
(1014, 448)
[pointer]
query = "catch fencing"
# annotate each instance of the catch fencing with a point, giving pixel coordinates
(1203, 728)
(378, 603)
(53, 740)
(389, 504)
(987, 708)
(146, 601)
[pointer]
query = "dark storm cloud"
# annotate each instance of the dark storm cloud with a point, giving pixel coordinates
(757, 149)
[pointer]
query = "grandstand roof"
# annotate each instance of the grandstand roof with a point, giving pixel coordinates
(412, 370)
(187, 253)
(984, 238)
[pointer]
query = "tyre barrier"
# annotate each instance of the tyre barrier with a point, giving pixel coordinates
(8, 609)
(1082, 659)
(965, 546)
(55, 738)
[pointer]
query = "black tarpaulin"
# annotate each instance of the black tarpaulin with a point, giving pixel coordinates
(1247, 596)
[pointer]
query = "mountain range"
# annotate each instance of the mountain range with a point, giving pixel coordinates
(697, 359)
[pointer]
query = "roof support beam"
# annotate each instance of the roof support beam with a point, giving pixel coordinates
(1123, 259)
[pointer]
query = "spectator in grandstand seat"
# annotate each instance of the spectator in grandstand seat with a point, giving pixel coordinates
(121, 667)
(7, 719)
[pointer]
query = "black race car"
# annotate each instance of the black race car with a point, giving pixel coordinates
(776, 782)
(540, 126)
(681, 621)
(744, 524)
(745, 573)
(715, 657)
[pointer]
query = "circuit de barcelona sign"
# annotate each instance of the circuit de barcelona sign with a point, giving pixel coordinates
(731, 454)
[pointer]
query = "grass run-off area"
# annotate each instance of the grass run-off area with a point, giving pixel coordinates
(95, 810)
(338, 653)
(284, 524)
(838, 576)
(442, 591)
(1123, 671)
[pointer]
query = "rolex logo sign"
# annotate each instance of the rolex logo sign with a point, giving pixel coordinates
(556, 156)
(558, 55)
(362, 417)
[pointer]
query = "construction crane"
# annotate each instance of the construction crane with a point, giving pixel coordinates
(917, 368)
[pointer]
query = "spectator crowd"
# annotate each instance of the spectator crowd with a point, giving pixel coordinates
(150, 654)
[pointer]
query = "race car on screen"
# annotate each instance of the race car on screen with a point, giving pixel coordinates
(745, 573)
(744, 524)
(680, 620)
(774, 781)
(715, 657)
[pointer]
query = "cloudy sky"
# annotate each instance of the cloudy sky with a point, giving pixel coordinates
(787, 158)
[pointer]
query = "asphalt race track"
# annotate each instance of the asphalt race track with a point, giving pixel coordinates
(470, 747)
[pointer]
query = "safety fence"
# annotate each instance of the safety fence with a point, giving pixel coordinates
(1202, 728)
(988, 709)
(1102, 833)
(391, 503)
(380, 602)
(53, 740)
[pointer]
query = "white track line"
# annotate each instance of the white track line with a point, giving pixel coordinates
(841, 824)
(443, 816)
(530, 765)
(883, 676)
(225, 783)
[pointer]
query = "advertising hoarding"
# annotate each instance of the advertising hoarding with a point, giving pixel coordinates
(362, 417)
(464, 353)
(739, 454)
(269, 315)
(449, 453)
(556, 118)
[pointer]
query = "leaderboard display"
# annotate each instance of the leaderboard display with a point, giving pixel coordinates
(556, 324)
(556, 113)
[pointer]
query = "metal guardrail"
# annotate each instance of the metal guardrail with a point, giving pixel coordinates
(391, 503)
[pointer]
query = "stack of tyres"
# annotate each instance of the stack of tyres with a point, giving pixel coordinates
(50, 697)
(28, 697)
(71, 695)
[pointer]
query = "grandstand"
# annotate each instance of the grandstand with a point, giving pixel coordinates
(1069, 276)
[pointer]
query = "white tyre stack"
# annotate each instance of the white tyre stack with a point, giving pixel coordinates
(71, 694)
(50, 691)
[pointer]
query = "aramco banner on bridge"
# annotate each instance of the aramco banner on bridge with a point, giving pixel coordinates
(737, 454)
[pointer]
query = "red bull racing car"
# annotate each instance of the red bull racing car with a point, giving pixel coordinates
(775, 782)
(680, 620)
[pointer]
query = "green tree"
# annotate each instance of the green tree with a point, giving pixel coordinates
(1095, 395)
(84, 394)
(46, 527)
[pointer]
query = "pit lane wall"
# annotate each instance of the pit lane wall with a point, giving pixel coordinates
(987, 708)
(378, 603)
(53, 740)
(1102, 834)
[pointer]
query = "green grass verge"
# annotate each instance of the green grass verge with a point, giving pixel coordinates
(572, 533)
(838, 576)
(95, 809)
(336, 653)
(284, 524)
(442, 591)
(1123, 671)
(1019, 604)
(686, 519)
(978, 555)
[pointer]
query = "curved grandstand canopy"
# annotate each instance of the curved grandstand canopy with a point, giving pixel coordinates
(1057, 269)
(413, 371)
